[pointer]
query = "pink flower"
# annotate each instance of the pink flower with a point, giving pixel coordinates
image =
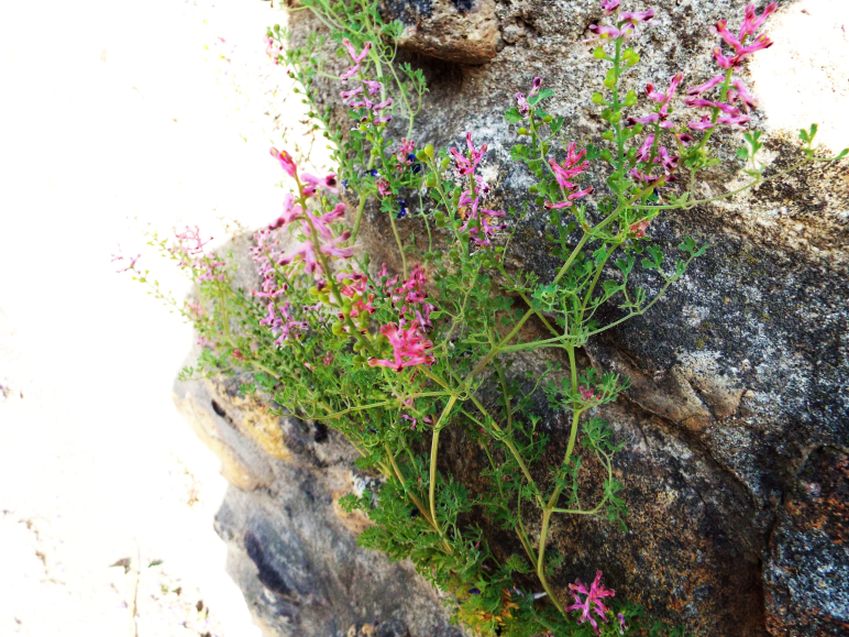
(586, 393)
(592, 602)
(741, 93)
(644, 151)
(570, 199)
(747, 41)
(356, 58)
(752, 21)
(291, 212)
(383, 188)
(627, 22)
(279, 319)
(604, 31)
(703, 88)
(313, 183)
(572, 166)
(738, 119)
(322, 222)
(406, 147)
(190, 242)
(409, 347)
(130, 266)
(382, 105)
(730, 114)
(349, 95)
(410, 298)
(650, 155)
(467, 164)
(353, 283)
(633, 18)
(639, 228)
(702, 124)
(478, 221)
(285, 160)
(274, 49)
(536, 85)
(663, 98)
(522, 104)
(211, 270)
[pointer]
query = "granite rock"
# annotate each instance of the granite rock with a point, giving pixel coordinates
(736, 423)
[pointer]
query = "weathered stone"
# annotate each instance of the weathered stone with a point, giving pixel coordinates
(736, 423)
(464, 31)
(807, 571)
(292, 553)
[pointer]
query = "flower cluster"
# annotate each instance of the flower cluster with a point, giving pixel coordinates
(267, 254)
(626, 22)
(279, 319)
(317, 239)
(723, 100)
(731, 105)
(189, 250)
(592, 602)
(410, 347)
(409, 297)
(748, 33)
(479, 222)
(652, 154)
(318, 235)
(663, 99)
(406, 156)
(353, 286)
(573, 165)
(367, 95)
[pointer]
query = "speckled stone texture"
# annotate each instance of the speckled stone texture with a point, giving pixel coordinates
(739, 398)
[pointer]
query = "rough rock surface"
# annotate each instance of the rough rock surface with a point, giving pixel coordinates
(736, 424)
(739, 373)
(464, 31)
(292, 550)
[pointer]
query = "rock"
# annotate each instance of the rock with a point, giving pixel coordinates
(290, 548)
(808, 566)
(463, 31)
(736, 424)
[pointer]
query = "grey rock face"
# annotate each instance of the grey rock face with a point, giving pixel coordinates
(292, 550)
(738, 374)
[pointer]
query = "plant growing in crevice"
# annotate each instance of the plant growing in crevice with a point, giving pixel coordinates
(398, 360)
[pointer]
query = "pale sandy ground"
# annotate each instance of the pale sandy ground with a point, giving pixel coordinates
(114, 116)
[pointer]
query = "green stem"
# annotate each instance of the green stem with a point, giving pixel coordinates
(503, 437)
(434, 453)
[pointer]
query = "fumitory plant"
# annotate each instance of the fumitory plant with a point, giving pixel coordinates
(431, 347)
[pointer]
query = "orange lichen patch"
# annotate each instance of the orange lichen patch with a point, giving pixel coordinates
(262, 426)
